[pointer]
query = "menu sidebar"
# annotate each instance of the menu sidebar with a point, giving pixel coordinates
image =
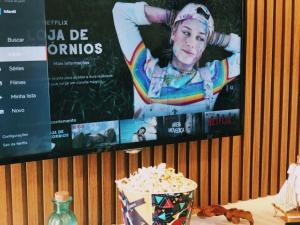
(24, 85)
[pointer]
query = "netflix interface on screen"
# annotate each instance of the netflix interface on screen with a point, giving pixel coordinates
(80, 76)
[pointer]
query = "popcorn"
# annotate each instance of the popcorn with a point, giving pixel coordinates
(156, 180)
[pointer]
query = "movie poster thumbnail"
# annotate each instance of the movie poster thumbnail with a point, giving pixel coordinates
(95, 135)
(61, 137)
(221, 122)
(138, 130)
(179, 125)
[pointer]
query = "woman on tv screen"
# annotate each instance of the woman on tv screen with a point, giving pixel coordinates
(181, 87)
(139, 135)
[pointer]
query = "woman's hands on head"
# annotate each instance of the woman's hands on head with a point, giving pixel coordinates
(156, 14)
(219, 39)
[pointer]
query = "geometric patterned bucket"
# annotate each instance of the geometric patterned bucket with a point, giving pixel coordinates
(156, 209)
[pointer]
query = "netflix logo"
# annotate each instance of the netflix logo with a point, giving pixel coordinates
(220, 122)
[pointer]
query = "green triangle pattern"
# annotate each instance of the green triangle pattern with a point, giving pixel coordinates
(181, 205)
(162, 216)
(158, 199)
(191, 195)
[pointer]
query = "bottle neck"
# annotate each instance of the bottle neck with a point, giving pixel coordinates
(62, 207)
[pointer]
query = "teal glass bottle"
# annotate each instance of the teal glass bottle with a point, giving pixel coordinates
(62, 214)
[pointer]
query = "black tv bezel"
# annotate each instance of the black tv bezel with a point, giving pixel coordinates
(138, 145)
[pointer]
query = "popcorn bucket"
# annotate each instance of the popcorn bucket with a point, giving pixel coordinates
(156, 209)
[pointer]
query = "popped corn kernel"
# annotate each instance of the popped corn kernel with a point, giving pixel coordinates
(157, 179)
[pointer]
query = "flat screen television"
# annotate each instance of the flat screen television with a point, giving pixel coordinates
(83, 76)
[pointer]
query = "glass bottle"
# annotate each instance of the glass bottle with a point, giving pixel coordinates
(62, 214)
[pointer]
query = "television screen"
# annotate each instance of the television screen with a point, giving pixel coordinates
(81, 76)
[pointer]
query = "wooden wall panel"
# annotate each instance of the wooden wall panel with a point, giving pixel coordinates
(268, 54)
(64, 175)
(106, 192)
(248, 99)
(294, 135)
(158, 155)
(235, 169)
(193, 168)
(214, 175)
(258, 71)
(204, 174)
(92, 193)
(285, 74)
(146, 157)
(78, 189)
(276, 96)
(3, 197)
(48, 188)
(19, 212)
(170, 155)
(120, 173)
(226, 169)
(34, 216)
(182, 166)
(133, 162)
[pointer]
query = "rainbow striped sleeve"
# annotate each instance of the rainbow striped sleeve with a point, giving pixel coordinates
(220, 75)
(188, 94)
(136, 66)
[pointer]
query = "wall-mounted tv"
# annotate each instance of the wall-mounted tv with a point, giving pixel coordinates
(82, 76)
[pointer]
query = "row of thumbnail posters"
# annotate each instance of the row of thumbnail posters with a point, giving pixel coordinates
(93, 91)
(102, 134)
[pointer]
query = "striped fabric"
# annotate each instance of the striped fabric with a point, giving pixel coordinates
(190, 93)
